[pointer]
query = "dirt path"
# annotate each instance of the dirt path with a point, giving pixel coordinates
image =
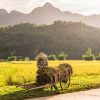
(84, 95)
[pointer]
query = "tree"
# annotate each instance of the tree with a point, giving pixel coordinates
(62, 56)
(88, 55)
(25, 39)
(52, 57)
(12, 58)
(27, 58)
(98, 57)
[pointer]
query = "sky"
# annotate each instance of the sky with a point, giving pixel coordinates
(85, 7)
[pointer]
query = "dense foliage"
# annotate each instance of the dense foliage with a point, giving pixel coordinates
(28, 39)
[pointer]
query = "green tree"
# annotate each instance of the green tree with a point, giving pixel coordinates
(88, 55)
(62, 56)
(52, 57)
(12, 58)
(27, 58)
(98, 57)
(26, 38)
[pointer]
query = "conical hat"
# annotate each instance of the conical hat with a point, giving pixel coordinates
(41, 55)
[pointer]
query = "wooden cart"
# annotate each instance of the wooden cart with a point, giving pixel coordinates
(61, 77)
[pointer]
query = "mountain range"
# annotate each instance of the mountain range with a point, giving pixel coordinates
(46, 14)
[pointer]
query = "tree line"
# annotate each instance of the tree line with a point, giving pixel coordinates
(27, 40)
(88, 56)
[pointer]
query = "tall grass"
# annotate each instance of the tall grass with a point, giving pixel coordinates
(12, 73)
(86, 76)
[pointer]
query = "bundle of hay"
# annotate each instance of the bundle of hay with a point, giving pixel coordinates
(44, 74)
(65, 66)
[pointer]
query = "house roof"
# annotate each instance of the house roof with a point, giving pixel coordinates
(41, 55)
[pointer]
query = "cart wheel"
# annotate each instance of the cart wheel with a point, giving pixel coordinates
(65, 82)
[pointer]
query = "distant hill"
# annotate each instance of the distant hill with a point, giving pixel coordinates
(29, 40)
(46, 15)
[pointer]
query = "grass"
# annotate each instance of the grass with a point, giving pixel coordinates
(17, 73)
(86, 76)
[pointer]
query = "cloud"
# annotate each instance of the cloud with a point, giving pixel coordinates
(20, 5)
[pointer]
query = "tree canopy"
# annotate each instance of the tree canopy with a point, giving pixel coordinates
(30, 39)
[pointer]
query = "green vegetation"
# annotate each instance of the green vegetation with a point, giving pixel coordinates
(98, 57)
(52, 57)
(62, 56)
(88, 55)
(28, 39)
(27, 59)
(86, 76)
(12, 58)
(13, 73)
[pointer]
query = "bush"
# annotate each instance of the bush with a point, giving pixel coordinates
(19, 58)
(98, 57)
(27, 58)
(62, 56)
(88, 55)
(12, 58)
(52, 57)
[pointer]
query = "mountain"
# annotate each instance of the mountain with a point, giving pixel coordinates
(3, 12)
(46, 14)
(73, 38)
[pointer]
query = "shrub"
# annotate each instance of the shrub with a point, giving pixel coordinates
(27, 58)
(52, 57)
(12, 58)
(62, 56)
(19, 58)
(98, 57)
(88, 55)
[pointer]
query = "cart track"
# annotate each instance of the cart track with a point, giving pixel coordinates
(83, 95)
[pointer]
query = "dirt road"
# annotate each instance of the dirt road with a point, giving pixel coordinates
(84, 95)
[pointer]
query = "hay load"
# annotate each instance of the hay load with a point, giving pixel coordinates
(52, 75)
(65, 66)
(44, 75)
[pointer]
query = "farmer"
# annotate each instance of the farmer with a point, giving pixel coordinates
(42, 60)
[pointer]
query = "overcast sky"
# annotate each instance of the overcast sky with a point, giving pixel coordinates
(86, 7)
